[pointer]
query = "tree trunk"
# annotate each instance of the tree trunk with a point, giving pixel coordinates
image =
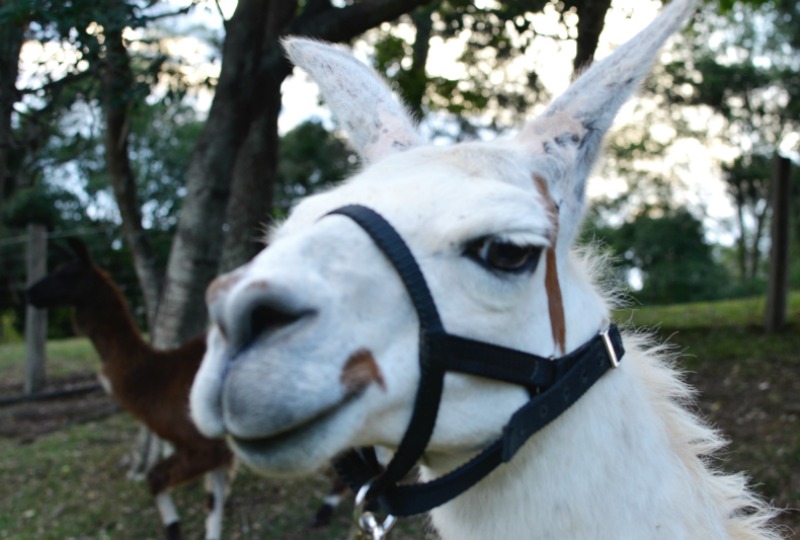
(591, 19)
(252, 191)
(197, 246)
(755, 249)
(252, 187)
(741, 241)
(416, 78)
(116, 95)
(778, 285)
(116, 89)
(11, 37)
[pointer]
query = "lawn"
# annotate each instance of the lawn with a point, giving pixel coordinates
(70, 483)
(65, 357)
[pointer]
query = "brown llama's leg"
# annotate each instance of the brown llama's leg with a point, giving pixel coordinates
(159, 480)
(178, 469)
(325, 512)
(217, 484)
(169, 516)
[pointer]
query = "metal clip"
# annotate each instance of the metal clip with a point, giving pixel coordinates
(366, 523)
(612, 354)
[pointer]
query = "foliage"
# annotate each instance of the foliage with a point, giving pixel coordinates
(495, 37)
(669, 248)
(741, 64)
(58, 172)
(70, 195)
(51, 206)
(309, 158)
(749, 180)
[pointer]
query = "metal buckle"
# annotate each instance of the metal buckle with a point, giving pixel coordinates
(612, 354)
(366, 523)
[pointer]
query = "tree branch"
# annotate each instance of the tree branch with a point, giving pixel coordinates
(591, 19)
(181, 11)
(56, 85)
(343, 24)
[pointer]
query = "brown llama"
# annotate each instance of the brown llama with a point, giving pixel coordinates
(153, 385)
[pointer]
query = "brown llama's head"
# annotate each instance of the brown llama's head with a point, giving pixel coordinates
(70, 284)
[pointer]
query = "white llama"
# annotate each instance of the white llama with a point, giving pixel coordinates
(321, 343)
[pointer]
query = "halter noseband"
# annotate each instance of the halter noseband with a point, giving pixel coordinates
(553, 384)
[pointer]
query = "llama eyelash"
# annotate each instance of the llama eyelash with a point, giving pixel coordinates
(502, 256)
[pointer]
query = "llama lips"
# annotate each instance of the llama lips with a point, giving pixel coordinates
(287, 452)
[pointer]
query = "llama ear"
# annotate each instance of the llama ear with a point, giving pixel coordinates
(80, 250)
(376, 122)
(570, 131)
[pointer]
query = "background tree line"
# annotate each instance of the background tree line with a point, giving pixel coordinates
(103, 138)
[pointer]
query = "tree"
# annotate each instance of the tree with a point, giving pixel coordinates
(668, 249)
(101, 74)
(746, 75)
(495, 38)
(118, 94)
(749, 180)
(13, 23)
(233, 166)
(309, 158)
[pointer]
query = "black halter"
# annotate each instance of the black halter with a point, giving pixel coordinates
(553, 384)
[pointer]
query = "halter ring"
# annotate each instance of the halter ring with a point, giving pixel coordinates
(366, 522)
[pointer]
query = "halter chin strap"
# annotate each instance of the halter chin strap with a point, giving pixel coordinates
(553, 384)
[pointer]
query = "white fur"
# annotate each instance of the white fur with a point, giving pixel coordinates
(625, 462)
(217, 481)
(166, 508)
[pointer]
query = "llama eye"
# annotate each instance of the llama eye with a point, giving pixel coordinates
(503, 256)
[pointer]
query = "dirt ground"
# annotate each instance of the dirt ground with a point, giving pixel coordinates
(77, 398)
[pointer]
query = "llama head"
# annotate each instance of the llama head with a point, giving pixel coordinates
(70, 284)
(314, 343)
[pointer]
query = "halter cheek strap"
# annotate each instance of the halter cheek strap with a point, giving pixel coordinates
(554, 385)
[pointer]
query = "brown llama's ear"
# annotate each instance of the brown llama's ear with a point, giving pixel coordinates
(79, 249)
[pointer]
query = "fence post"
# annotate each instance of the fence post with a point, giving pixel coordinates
(35, 319)
(778, 285)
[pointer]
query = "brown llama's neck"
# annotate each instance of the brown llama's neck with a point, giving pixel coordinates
(105, 320)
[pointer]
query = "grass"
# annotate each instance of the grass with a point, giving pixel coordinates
(749, 384)
(64, 357)
(726, 313)
(71, 484)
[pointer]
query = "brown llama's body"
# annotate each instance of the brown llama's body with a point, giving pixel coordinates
(153, 385)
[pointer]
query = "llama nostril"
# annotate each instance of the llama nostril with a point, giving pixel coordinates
(265, 318)
(259, 316)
